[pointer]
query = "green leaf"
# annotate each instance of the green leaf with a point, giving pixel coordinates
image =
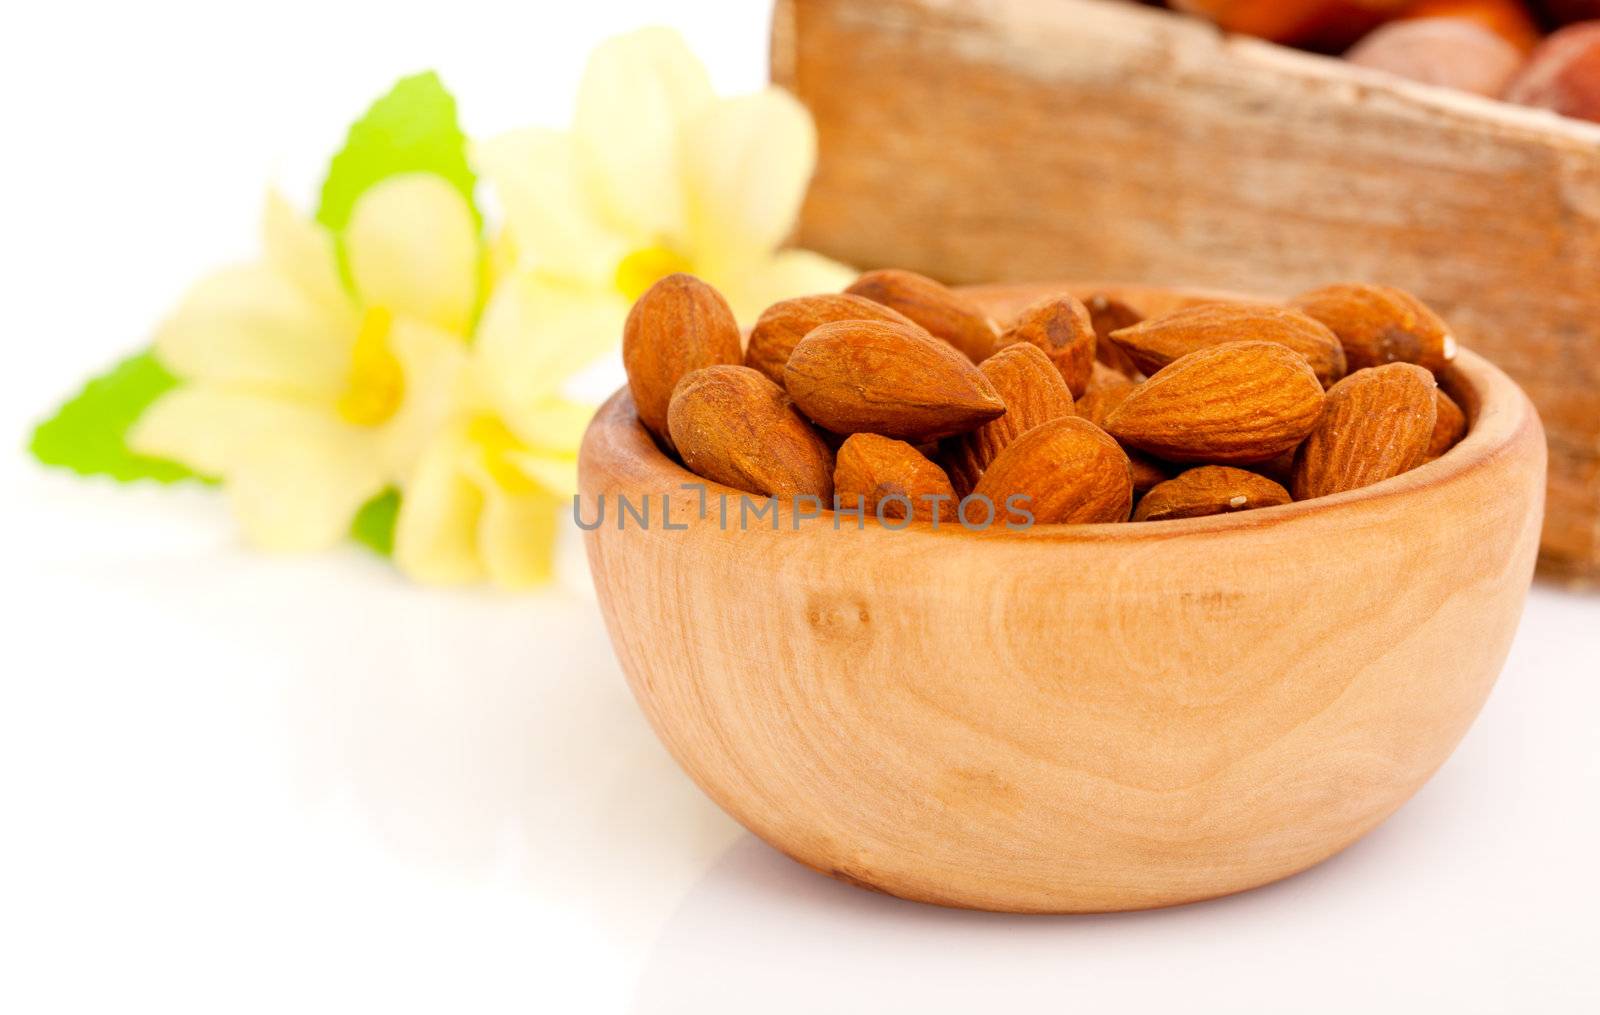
(88, 434)
(412, 129)
(373, 526)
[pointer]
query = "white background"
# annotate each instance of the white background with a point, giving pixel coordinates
(238, 783)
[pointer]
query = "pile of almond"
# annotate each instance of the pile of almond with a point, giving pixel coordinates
(899, 398)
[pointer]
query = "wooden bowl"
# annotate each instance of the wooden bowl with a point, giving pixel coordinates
(1072, 718)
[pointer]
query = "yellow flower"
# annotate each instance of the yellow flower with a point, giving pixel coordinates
(490, 488)
(657, 175)
(660, 175)
(304, 398)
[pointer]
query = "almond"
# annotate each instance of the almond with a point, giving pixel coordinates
(1380, 324)
(1154, 343)
(1110, 315)
(937, 308)
(781, 327)
(680, 324)
(1279, 469)
(1449, 426)
(1231, 403)
(1107, 390)
(1034, 393)
(871, 471)
(1209, 490)
(1059, 327)
(1148, 472)
(889, 379)
(734, 426)
(1377, 424)
(1061, 472)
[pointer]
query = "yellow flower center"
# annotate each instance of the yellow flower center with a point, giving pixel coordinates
(494, 443)
(645, 267)
(377, 383)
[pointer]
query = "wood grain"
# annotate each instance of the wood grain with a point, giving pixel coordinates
(1013, 139)
(1074, 718)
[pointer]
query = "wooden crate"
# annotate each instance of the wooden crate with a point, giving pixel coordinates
(1008, 140)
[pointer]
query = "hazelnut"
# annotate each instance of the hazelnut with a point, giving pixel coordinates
(1441, 51)
(1563, 74)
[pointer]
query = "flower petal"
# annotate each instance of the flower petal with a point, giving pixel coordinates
(500, 257)
(433, 363)
(302, 492)
(637, 94)
(536, 332)
(557, 474)
(535, 174)
(747, 162)
(252, 326)
(207, 428)
(552, 426)
(303, 252)
(788, 273)
(516, 537)
(413, 249)
(295, 474)
(436, 534)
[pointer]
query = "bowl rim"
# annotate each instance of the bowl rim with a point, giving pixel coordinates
(1499, 414)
